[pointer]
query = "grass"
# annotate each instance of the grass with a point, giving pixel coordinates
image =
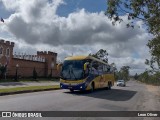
(30, 88)
(28, 80)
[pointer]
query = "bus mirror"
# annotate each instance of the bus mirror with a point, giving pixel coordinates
(59, 67)
(85, 65)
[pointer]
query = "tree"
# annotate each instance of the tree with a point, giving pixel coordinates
(101, 54)
(154, 62)
(124, 73)
(2, 71)
(136, 76)
(144, 76)
(115, 70)
(146, 10)
(34, 74)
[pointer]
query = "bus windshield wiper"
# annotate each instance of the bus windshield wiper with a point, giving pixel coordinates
(69, 71)
(65, 74)
(73, 73)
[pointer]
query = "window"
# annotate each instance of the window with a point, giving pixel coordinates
(95, 65)
(7, 52)
(104, 68)
(100, 68)
(94, 69)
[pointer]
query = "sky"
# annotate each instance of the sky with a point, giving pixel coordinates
(77, 27)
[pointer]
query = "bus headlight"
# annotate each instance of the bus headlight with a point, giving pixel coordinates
(81, 87)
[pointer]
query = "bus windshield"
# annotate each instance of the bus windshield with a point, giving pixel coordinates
(72, 70)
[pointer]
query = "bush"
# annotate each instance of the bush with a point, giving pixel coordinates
(2, 71)
(34, 74)
(150, 78)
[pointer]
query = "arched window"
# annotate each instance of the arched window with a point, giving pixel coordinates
(7, 51)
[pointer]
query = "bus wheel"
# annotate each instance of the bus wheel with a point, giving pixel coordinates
(92, 87)
(71, 90)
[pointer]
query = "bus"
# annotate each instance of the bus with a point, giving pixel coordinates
(85, 73)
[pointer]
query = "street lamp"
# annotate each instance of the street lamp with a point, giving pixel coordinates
(16, 77)
(52, 66)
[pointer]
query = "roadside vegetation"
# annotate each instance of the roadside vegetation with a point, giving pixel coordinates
(123, 73)
(147, 11)
(28, 89)
(29, 80)
(149, 78)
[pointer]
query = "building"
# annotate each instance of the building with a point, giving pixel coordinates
(44, 62)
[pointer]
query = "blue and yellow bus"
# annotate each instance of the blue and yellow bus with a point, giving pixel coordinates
(85, 73)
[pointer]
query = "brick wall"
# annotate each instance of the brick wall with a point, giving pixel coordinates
(26, 66)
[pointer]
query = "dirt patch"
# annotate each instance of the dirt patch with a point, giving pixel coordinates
(153, 97)
(153, 89)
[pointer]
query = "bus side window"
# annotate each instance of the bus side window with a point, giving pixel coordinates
(108, 69)
(112, 70)
(94, 68)
(88, 70)
(105, 69)
(100, 68)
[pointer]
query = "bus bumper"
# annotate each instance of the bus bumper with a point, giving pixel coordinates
(73, 87)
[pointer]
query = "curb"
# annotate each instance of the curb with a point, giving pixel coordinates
(27, 91)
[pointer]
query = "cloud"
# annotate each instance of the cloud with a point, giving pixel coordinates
(35, 22)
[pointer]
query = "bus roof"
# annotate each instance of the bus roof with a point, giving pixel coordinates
(76, 58)
(84, 57)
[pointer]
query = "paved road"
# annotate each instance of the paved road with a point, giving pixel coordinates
(135, 96)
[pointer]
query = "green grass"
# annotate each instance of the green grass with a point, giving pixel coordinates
(30, 88)
(29, 80)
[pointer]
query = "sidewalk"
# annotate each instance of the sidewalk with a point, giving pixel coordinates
(26, 84)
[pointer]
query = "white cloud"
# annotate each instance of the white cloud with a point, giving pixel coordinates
(35, 22)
